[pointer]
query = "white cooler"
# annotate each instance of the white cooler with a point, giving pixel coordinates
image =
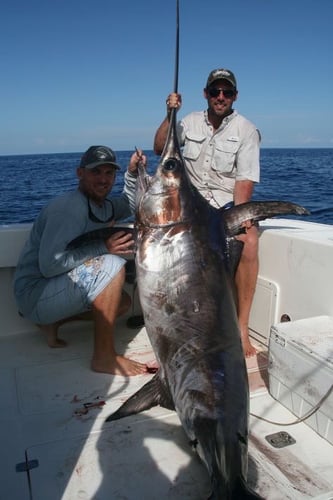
(300, 369)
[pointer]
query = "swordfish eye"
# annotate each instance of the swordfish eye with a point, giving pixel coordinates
(170, 164)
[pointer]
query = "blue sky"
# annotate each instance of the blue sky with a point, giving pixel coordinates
(76, 73)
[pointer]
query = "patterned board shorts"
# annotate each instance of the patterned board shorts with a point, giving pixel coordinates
(74, 292)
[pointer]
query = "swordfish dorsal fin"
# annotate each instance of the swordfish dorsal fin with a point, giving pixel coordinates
(153, 393)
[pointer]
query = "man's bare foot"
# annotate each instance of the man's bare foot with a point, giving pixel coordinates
(248, 348)
(119, 366)
(54, 341)
(51, 334)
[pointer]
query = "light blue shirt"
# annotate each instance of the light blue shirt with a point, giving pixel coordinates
(63, 219)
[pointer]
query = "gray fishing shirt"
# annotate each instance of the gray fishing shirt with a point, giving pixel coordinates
(63, 219)
(215, 160)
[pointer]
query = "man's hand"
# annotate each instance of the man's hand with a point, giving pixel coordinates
(137, 158)
(173, 101)
(120, 243)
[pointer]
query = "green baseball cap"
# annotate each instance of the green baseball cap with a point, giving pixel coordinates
(221, 74)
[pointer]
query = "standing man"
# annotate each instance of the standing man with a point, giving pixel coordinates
(54, 285)
(221, 153)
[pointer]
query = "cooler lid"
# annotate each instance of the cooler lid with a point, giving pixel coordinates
(311, 335)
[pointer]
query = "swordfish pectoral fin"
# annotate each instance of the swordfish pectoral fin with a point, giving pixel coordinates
(258, 210)
(97, 235)
(153, 393)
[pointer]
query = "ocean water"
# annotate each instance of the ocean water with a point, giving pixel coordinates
(303, 176)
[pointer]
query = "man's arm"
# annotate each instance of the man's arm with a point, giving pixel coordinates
(130, 178)
(243, 191)
(161, 136)
(173, 101)
(61, 227)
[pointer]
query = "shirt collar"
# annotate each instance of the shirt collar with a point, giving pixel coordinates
(225, 120)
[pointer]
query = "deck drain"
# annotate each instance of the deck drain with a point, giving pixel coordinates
(280, 439)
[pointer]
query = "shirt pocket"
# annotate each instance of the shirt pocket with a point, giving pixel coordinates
(193, 146)
(224, 160)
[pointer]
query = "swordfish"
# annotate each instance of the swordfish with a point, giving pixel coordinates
(186, 252)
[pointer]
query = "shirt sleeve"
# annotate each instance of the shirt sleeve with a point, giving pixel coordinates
(61, 228)
(124, 205)
(248, 157)
(181, 133)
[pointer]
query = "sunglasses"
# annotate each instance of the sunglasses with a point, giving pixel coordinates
(94, 218)
(215, 92)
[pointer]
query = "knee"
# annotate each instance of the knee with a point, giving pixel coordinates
(122, 275)
(114, 267)
(250, 249)
(117, 282)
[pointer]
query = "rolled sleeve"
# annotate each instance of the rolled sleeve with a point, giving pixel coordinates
(248, 157)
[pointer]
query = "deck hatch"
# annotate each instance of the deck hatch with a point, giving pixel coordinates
(264, 309)
(280, 439)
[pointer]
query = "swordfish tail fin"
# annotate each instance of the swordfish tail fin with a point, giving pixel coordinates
(224, 452)
(153, 393)
(256, 211)
(241, 492)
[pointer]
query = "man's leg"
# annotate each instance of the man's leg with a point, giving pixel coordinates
(51, 333)
(105, 310)
(246, 279)
(51, 330)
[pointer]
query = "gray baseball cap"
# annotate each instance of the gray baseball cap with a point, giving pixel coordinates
(98, 155)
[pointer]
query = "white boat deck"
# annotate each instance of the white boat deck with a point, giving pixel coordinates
(74, 454)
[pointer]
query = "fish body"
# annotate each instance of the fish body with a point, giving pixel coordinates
(190, 316)
(186, 293)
